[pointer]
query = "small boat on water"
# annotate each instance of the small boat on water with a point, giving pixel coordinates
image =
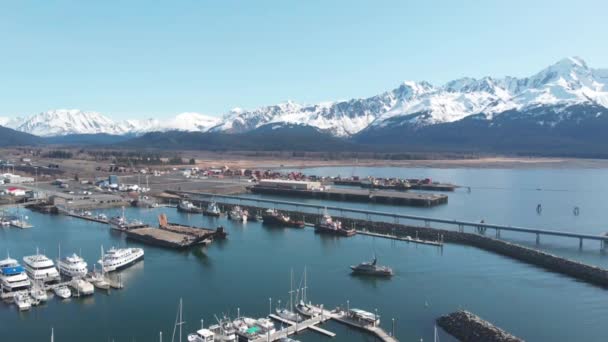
(274, 217)
(62, 292)
(23, 301)
(371, 268)
(102, 217)
(188, 207)
(82, 287)
(212, 210)
(329, 226)
(38, 292)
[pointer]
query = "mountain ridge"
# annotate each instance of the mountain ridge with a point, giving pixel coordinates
(566, 83)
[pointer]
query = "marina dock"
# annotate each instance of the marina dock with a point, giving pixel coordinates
(357, 195)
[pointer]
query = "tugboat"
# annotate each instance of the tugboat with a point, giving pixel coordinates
(370, 268)
(212, 210)
(273, 217)
(329, 226)
(188, 207)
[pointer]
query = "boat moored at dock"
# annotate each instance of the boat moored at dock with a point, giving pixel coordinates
(329, 226)
(73, 266)
(119, 258)
(238, 214)
(40, 268)
(212, 210)
(62, 292)
(13, 276)
(189, 207)
(23, 301)
(82, 287)
(274, 217)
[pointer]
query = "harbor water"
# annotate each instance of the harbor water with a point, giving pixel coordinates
(254, 264)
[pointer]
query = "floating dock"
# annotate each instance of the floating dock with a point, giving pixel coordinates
(174, 235)
(357, 195)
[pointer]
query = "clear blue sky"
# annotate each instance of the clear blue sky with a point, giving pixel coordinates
(155, 59)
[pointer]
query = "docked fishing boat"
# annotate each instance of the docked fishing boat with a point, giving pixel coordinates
(224, 331)
(188, 207)
(246, 329)
(255, 218)
(329, 226)
(73, 266)
(372, 269)
(13, 276)
(122, 224)
(238, 214)
(82, 287)
(23, 301)
(202, 335)
(102, 217)
(40, 268)
(274, 217)
(62, 292)
(212, 210)
(119, 258)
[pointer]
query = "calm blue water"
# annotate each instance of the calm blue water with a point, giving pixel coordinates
(254, 263)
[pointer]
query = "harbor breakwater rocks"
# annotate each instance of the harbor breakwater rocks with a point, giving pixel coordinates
(584, 272)
(466, 327)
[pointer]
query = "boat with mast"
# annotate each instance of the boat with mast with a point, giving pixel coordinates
(288, 313)
(304, 308)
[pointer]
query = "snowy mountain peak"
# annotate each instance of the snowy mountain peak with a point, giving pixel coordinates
(68, 121)
(567, 82)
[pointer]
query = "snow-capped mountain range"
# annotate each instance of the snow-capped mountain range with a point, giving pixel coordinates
(569, 82)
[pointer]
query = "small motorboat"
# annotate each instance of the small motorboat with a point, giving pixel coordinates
(62, 292)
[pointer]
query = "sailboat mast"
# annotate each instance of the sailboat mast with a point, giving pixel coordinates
(291, 292)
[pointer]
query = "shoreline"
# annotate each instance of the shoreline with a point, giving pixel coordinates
(478, 163)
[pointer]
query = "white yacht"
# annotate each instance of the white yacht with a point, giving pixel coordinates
(62, 292)
(73, 266)
(13, 276)
(118, 258)
(40, 268)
